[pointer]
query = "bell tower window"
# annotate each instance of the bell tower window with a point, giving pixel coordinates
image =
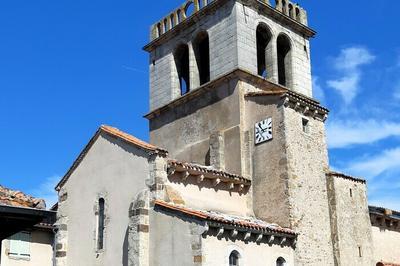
(264, 51)
(284, 61)
(182, 67)
(202, 54)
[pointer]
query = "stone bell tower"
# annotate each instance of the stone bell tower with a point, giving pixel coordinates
(230, 88)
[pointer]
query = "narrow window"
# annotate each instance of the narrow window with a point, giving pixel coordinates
(298, 14)
(306, 126)
(202, 54)
(165, 25)
(351, 193)
(159, 30)
(172, 20)
(20, 246)
(179, 16)
(264, 53)
(234, 258)
(360, 252)
(291, 11)
(284, 7)
(100, 225)
(284, 61)
(182, 67)
(280, 262)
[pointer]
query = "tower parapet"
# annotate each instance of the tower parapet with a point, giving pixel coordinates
(191, 7)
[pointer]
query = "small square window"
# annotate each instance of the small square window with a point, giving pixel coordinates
(20, 246)
(306, 125)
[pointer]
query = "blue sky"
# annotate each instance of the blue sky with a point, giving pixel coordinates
(67, 67)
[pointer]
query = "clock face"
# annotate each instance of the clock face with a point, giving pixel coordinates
(263, 131)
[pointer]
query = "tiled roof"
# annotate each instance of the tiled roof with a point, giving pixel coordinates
(114, 132)
(130, 139)
(387, 264)
(388, 213)
(207, 170)
(13, 198)
(245, 223)
(351, 178)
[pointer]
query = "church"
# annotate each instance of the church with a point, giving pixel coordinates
(236, 171)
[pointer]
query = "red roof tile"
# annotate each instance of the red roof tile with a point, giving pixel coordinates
(387, 264)
(13, 198)
(241, 222)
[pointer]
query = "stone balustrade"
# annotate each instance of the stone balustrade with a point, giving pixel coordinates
(294, 11)
(190, 7)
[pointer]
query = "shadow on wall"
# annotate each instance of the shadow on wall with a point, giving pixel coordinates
(125, 249)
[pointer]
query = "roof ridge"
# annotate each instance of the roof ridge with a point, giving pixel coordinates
(250, 223)
(345, 176)
(130, 138)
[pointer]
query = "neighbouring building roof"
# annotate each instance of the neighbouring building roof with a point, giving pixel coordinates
(387, 264)
(114, 132)
(207, 172)
(384, 212)
(15, 198)
(344, 176)
(216, 219)
(19, 211)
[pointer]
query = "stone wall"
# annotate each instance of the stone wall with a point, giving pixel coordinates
(268, 161)
(386, 244)
(351, 226)
(112, 170)
(307, 162)
(175, 240)
(216, 251)
(185, 129)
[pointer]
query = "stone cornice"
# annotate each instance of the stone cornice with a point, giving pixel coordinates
(186, 170)
(292, 99)
(305, 105)
(347, 177)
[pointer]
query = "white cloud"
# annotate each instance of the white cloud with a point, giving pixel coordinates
(347, 86)
(342, 134)
(348, 63)
(46, 190)
(376, 165)
(352, 58)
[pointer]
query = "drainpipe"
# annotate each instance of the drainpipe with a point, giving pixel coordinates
(55, 230)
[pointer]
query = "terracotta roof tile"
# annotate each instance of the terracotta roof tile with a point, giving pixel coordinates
(387, 264)
(13, 198)
(130, 139)
(384, 212)
(235, 221)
